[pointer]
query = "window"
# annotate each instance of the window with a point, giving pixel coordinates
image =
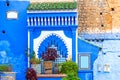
(84, 61)
(12, 15)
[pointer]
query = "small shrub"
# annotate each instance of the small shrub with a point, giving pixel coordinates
(71, 76)
(69, 67)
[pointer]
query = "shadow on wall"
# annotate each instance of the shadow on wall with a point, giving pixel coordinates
(18, 63)
(5, 52)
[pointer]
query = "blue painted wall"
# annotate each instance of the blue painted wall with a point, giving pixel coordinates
(110, 55)
(13, 35)
(85, 47)
(13, 39)
(69, 29)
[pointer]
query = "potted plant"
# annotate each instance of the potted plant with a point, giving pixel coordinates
(49, 57)
(35, 63)
(5, 68)
(5, 72)
(33, 59)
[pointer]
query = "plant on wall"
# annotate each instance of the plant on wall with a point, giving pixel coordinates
(50, 55)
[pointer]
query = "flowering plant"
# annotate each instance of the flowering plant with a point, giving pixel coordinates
(51, 54)
(31, 74)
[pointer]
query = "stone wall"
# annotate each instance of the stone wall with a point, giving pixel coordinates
(99, 16)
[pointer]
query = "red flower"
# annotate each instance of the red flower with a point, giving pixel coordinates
(51, 54)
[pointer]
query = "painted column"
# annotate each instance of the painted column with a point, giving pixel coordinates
(74, 44)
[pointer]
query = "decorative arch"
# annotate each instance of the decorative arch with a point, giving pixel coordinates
(53, 41)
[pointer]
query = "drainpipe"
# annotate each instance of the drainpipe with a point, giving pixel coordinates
(28, 48)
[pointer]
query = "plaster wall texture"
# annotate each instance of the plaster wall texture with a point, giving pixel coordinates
(11, 40)
(99, 16)
(111, 58)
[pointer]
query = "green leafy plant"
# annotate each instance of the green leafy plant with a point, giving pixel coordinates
(69, 67)
(71, 76)
(5, 68)
(59, 67)
(33, 59)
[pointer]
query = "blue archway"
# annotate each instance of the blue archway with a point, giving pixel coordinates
(53, 41)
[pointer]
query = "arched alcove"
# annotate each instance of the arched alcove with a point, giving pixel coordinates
(53, 41)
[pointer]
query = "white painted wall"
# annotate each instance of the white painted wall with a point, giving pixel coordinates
(45, 34)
